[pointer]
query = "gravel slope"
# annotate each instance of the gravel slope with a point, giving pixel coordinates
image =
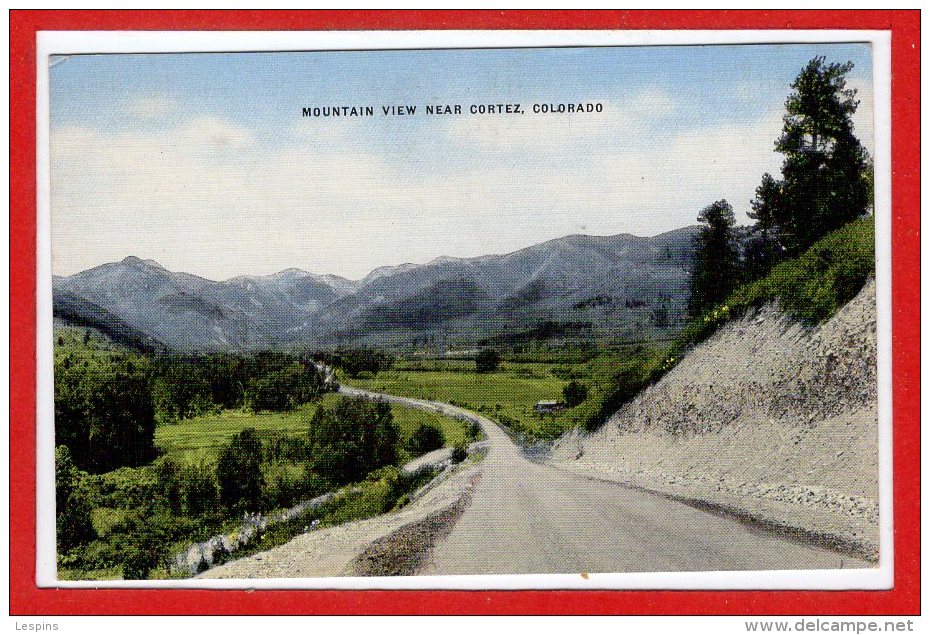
(767, 417)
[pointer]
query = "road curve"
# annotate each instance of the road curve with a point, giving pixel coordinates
(527, 517)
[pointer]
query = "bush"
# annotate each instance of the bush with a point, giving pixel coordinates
(624, 385)
(459, 453)
(574, 393)
(474, 430)
(374, 496)
(811, 287)
(128, 488)
(143, 539)
(198, 489)
(426, 438)
(278, 447)
(239, 473)
(351, 439)
(168, 483)
(313, 484)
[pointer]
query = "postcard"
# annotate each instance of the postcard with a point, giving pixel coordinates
(465, 311)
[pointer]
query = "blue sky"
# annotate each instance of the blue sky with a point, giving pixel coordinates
(203, 162)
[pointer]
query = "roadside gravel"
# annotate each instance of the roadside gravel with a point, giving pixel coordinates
(334, 551)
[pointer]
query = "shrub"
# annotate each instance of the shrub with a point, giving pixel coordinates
(287, 487)
(487, 361)
(351, 439)
(278, 447)
(72, 514)
(198, 489)
(426, 438)
(127, 487)
(574, 393)
(375, 495)
(474, 430)
(459, 453)
(168, 482)
(313, 484)
(811, 287)
(625, 384)
(143, 539)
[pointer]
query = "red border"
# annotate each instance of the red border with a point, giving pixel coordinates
(27, 599)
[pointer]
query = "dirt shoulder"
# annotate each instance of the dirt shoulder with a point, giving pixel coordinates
(407, 550)
(336, 551)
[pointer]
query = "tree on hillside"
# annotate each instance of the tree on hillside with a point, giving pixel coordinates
(104, 411)
(716, 268)
(239, 473)
(762, 244)
(72, 508)
(826, 172)
(487, 361)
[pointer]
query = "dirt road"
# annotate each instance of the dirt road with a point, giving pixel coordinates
(525, 517)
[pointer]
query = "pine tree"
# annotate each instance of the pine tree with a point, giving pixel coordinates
(826, 172)
(716, 270)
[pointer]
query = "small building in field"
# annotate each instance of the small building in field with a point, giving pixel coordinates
(547, 407)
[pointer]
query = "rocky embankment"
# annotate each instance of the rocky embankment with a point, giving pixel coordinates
(768, 419)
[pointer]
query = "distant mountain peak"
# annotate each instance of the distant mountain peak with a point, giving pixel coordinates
(135, 261)
(290, 272)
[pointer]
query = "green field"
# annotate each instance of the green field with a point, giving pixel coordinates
(507, 396)
(192, 440)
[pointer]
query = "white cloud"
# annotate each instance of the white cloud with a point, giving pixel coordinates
(209, 198)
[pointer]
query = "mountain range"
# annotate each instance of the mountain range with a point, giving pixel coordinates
(603, 286)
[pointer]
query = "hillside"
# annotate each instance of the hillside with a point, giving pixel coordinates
(768, 417)
(606, 284)
(594, 284)
(72, 310)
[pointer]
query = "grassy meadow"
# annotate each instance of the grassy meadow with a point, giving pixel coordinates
(507, 395)
(200, 438)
